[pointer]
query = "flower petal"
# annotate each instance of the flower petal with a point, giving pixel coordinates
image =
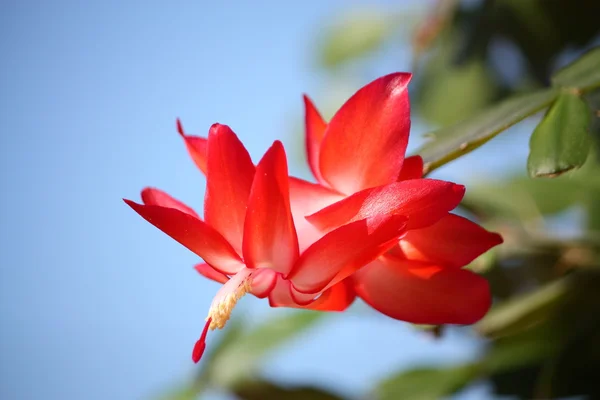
(423, 293)
(229, 177)
(337, 298)
(194, 234)
(365, 141)
(341, 252)
(156, 197)
(307, 198)
(209, 272)
(196, 146)
(270, 239)
(423, 201)
(453, 240)
(315, 130)
(412, 168)
(263, 282)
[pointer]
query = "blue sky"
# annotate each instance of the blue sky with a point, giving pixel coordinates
(95, 303)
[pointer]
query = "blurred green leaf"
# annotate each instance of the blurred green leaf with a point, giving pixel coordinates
(241, 357)
(525, 198)
(182, 393)
(443, 81)
(426, 383)
(354, 36)
(450, 143)
(265, 390)
(561, 142)
(583, 74)
(523, 312)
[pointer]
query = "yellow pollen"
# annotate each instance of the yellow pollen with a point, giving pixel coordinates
(220, 311)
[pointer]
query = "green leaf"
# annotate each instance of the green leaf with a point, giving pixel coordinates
(426, 383)
(523, 312)
(450, 143)
(354, 36)
(240, 358)
(583, 74)
(561, 142)
(265, 390)
(437, 98)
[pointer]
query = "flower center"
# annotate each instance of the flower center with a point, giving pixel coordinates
(222, 306)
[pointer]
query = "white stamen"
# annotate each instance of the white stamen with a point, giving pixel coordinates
(227, 297)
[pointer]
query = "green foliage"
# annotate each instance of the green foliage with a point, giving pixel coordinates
(454, 141)
(353, 37)
(239, 359)
(232, 363)
(561, 142)
(426, 383)
(583, 74)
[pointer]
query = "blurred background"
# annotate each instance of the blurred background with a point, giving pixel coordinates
(95, 303)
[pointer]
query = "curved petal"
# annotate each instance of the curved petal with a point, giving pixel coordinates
(315, 130)
(196, 146)
(209, 272)
(156, 197)
(423, 293)
(307, 198)
(423, 201)
(270, 239)
(229, 177)
(194, 234)
(343, 251)
(365, 141)
(453, 241)
(412, 168)
(337, 298)
(263, 282)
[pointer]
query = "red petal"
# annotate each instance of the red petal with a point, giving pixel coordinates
(263, 282)
(196, 146)
(341, 252)
(229, 178)
(270, 239)
(423, 293)
(156, 197)
(307, 198)
(209, 272)
(315, 130)
(423, 201)
(337, 298)
(365, 141)
(194, 234)
(412, 168)
(453, 240)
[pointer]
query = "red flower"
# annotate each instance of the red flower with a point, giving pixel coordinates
(358, 160)
(248, 239)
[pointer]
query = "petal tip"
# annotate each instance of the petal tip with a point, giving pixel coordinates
(180, 127)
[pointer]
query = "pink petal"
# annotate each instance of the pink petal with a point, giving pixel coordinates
(423, 293)
(423, 201)
(315, 130)
(270, 239)
(411, 169)
(453, 240)
(229, 177)
(194, 234)
(209, 272)
(343, 251)
(156, 197)
(196, 146)
(307, 198)
(365, 141)
(337, 298)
